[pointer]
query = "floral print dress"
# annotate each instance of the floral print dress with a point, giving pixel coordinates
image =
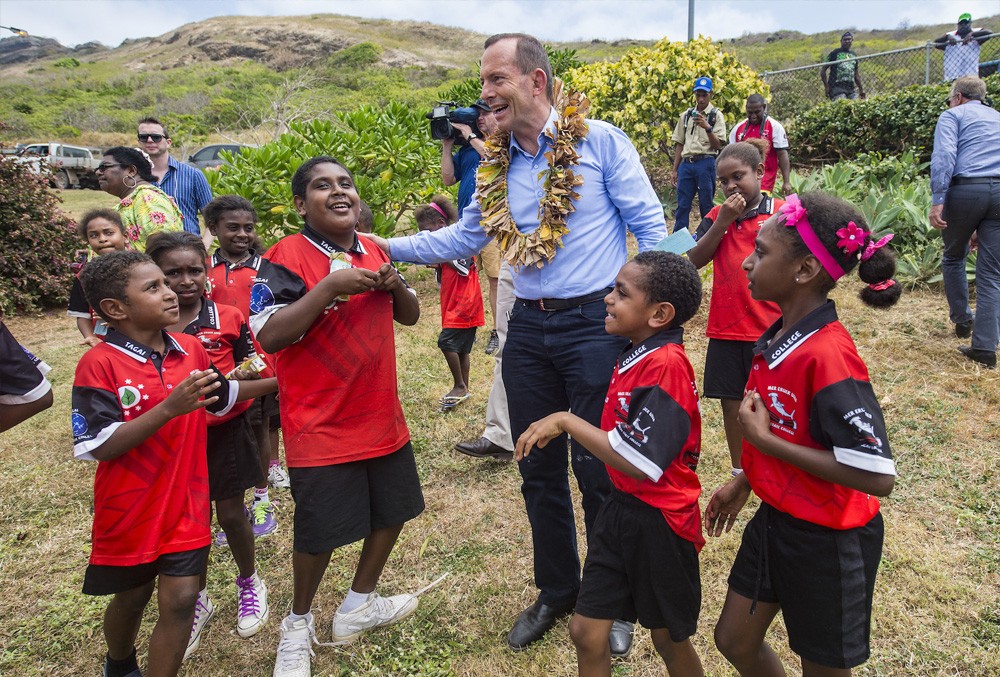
(147, 210)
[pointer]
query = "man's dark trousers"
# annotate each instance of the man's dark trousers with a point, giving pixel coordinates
(691, 176)
(557, 361)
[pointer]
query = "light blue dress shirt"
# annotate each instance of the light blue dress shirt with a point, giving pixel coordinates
(190, 190)
(615, 196)
(966, 143)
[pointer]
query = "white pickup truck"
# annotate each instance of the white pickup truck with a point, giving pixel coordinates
(72, 166)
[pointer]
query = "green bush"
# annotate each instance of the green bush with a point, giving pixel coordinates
(36, 241)
(894, 196)
(893, 124)
(395, 164)
(647, 91)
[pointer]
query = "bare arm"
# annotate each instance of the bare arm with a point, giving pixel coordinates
(677, 163)
(12, 414)
(252, 389)
(786, 169)
(291, 323)
(86, 327)
(704, 249)
(448, 177)
(183, 399)
(591, 437)
(756, 424)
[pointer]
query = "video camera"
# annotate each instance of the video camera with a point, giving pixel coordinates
(447, 112)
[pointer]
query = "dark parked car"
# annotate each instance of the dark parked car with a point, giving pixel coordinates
(211, 156)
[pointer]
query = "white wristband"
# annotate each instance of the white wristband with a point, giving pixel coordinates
(737, 472)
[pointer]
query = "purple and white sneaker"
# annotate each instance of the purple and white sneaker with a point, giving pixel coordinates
(262, 518)
(252, 609)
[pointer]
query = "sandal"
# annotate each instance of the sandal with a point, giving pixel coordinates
(449, 402)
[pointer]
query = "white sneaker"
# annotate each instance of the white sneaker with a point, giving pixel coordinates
(376, 612)
(252, 609)
(203, 612)
(278, 478)
(295, 649)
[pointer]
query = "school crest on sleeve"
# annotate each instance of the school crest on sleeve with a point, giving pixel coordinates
(79, 424)
(261, 298)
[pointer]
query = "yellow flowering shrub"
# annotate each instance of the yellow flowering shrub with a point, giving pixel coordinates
(647, 91)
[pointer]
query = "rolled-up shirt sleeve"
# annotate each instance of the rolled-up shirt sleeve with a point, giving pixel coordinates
(462, 240)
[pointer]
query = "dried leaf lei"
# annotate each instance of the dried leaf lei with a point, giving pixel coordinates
(538, 247)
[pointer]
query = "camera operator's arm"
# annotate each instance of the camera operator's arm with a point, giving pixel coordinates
(471, 138)
(447, 163)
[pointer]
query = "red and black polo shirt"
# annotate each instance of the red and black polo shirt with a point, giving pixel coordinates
(22, 375)
(337, 384)
(653, 421)
(461, 295)
(732, 314)
(818, 394)
(152, 500)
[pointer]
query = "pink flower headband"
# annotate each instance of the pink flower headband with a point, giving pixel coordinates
(851, 237)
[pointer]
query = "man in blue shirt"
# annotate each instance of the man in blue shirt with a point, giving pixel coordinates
(965, 188)
(557, 354)
(186, 184)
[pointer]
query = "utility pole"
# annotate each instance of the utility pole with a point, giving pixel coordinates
(690, 20)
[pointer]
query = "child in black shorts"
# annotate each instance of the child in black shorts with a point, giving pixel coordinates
(815, 450)
(233, 463)
(323, 305)
(642, 559)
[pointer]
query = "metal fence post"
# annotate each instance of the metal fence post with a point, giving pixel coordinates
(927, 63)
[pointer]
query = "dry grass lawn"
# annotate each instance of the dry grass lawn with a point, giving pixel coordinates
(937, 602)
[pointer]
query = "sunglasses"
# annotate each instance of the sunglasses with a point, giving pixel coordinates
(105, 166)
(155, 138)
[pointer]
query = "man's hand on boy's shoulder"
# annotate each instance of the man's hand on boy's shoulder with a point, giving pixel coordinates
(187, 396)
(382, 243)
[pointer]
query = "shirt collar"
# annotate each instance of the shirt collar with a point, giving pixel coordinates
(543, 140)
(796, 336)
(765, 206)
(252, 262)
(633, 354)
(328, 247)
(208, 317)
(172, 163)
(138, 351)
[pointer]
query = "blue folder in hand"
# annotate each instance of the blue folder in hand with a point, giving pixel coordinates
(676, 243)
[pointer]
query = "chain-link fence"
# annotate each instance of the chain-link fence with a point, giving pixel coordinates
(795, 90)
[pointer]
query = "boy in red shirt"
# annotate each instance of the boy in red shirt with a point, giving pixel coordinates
(461, 302)
(139, 401)
(642, 558)
(323, 305)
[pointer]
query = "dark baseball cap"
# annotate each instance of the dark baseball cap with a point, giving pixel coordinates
(482, 105)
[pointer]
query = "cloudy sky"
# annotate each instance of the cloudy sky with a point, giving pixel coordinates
(110, 21)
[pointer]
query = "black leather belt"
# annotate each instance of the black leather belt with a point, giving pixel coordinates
(959, 180)
(564, 304)
(695, 158)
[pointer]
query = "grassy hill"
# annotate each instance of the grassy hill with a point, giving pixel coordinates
(241, 77)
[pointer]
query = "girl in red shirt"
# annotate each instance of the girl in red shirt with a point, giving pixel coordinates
(735, 320)
(815, 450)
(461, 302)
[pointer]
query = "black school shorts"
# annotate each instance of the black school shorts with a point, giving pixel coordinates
(343, 503)
(233, 459)
(457, 340)
(823, 578)
(637, 568)
(103, 579)
(727, 369)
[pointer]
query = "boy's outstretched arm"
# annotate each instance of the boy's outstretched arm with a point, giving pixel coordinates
(405, 306)
(296, 318)
(591, 437)
(186, 397)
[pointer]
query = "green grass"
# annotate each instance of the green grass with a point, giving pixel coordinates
(935, 609)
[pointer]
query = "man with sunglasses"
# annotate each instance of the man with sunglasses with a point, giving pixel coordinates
(965, 194)
(186, 184)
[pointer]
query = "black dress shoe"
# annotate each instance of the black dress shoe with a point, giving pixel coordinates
(963, 329)
(620, 639)
(983, 357)
(534, 622)
(483, 448)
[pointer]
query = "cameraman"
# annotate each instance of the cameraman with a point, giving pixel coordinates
(461, 167)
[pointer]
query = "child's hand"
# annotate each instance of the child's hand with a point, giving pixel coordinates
(187, 395)
(732, 208)
(539, 434)
(725, 504)
(244, 375)
(91, 341)
(352, 281)
(755, 421)
(389, 279)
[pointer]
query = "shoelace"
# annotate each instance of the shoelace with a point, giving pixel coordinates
(249, 603)
(291, 650)
(260, 511)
